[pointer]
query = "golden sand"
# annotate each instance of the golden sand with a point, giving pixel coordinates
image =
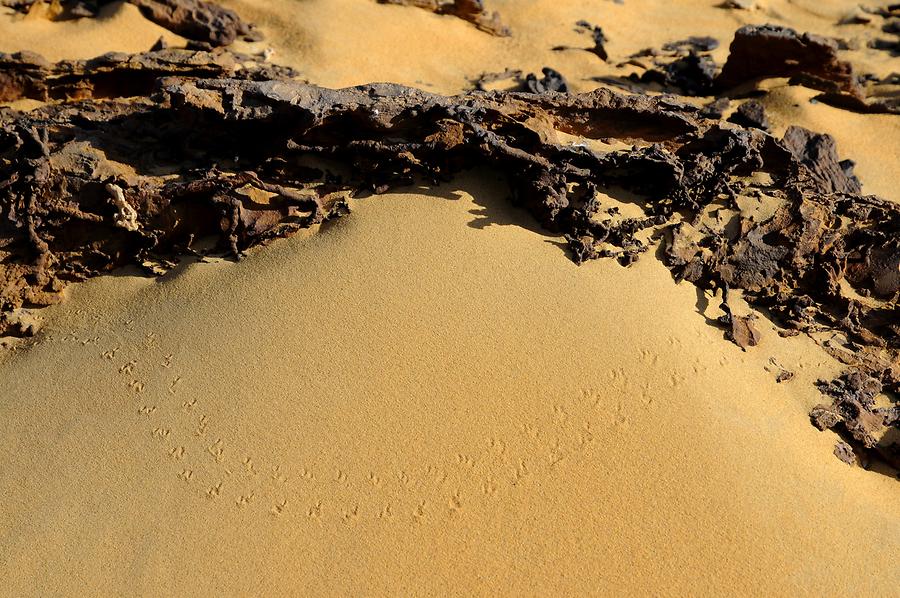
(429, 397)
(426, 396)
(119, 28)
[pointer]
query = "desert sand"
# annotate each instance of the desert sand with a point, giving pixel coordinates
(428, 397)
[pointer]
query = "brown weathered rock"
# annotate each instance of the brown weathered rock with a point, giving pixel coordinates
(760, 52)
(844, 452)
(472, 11)
(751, 114)
(683, 66)
(765, 51)
(876, 96)
(818, 153)
(25, 75)
(597, 36)
(824, 417)
(784, 376)
(738, 4)
(744, 332)
(61, 222)
(855, 411)
(552, 81)
(198, 20)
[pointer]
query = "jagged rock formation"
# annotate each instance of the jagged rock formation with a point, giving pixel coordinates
(472, 11)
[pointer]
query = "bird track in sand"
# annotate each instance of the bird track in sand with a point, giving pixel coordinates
(203, 455)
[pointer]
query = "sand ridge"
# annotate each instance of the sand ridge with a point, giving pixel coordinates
(385, 431)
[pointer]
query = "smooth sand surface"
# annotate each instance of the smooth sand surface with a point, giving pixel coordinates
(423, 397)
(428, 396)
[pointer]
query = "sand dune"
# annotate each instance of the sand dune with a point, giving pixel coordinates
(422, 397)
(428, 396)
